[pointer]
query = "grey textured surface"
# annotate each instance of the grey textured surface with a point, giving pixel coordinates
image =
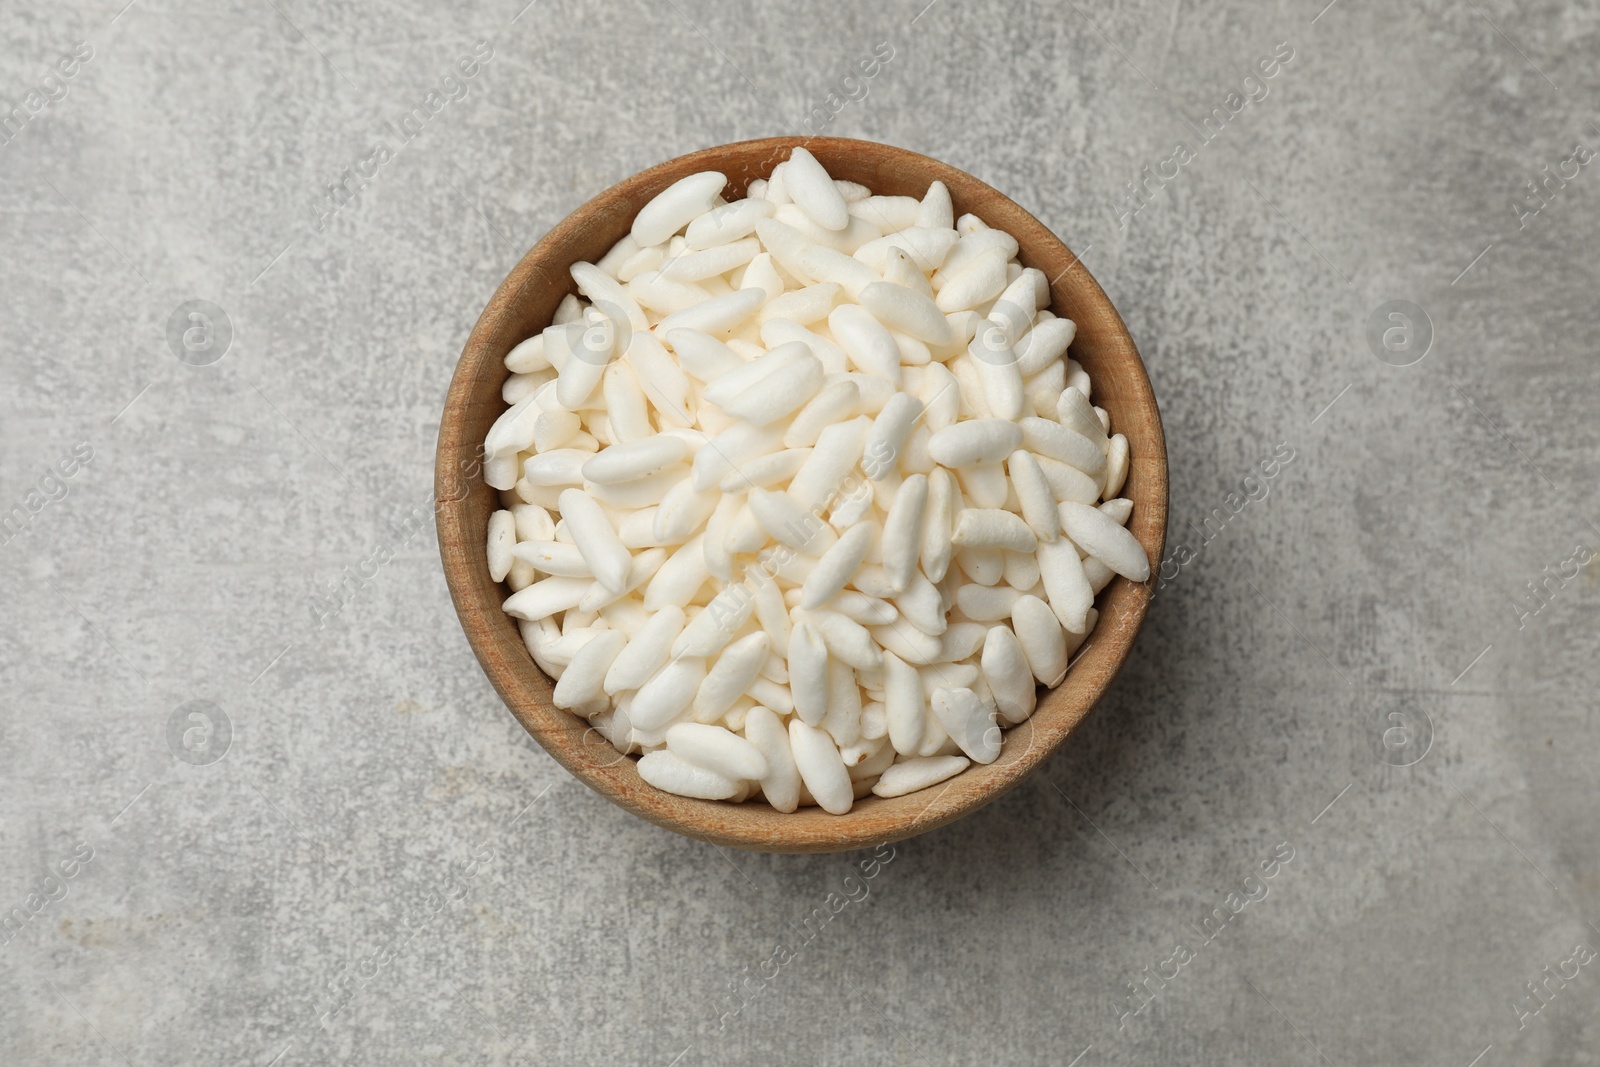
(382, 868)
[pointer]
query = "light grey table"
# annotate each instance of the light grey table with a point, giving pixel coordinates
(349, 852)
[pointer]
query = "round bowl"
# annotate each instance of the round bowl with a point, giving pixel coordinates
(524, 304)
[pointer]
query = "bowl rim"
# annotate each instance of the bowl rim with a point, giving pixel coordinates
(462, 502)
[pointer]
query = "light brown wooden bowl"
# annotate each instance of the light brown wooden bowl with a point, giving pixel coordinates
(523, 306)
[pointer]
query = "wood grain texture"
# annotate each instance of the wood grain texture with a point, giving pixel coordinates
(524, 304)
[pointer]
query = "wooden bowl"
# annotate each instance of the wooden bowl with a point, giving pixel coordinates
(523, 306)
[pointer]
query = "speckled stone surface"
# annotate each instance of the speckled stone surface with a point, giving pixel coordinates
(349, 852)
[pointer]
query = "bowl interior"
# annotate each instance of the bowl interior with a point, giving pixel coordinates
(524, 305)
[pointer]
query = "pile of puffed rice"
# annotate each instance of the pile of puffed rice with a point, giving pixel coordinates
(802, 497)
